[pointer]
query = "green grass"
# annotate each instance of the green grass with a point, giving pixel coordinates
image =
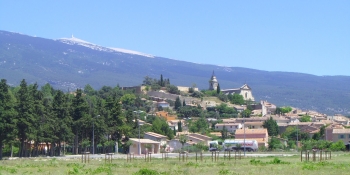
(257, 166)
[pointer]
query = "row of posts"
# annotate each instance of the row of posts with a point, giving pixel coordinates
(85, 156)
(315, 155)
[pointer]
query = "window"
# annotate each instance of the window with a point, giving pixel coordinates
(231, 127)
(217, 127)
(349, 136)
(341, 136)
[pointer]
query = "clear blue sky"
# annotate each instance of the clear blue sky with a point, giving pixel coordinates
(310, 36)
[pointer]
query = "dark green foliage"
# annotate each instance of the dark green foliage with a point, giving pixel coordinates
(177, 103)
(305, 118)
(160, 126)
(197, 94)
(236, 99)
(188, 111)
(224, 133)
(25, 117)
(7, 115)
(271, 126)
(179, 126)
(146, 171)
(173, 89)
(275, 143)
(218, 89)
(246, 113)
(200, 125)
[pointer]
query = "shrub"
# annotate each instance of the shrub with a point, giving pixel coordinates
(146, 171)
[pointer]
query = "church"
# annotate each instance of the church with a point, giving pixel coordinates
(245, 90)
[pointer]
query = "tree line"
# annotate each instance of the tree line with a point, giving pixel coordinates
(30, 116)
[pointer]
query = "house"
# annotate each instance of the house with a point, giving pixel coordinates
(260, 135)
(267, 108)
(135, 142)
(163, 104)
(239, 108)
(254, 125)
(173, 124)
(231, 127)
(197, 138)
(156, 137)
(341, 134)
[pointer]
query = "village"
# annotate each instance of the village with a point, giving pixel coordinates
(310, 123)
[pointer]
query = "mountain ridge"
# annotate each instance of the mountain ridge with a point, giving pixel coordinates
(73, 66)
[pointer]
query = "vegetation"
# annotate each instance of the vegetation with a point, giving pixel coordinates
(257, 165)
(271, 126)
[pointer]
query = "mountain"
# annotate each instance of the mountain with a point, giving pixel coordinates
(71, 63)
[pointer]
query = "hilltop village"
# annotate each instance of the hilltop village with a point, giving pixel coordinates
(249, 121)
(156, 117)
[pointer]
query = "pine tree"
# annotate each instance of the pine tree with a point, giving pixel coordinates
(80, 115)
(177, 103)
(62, 118)
(218, 90)
(161, 80)
(179, 126)
(25, 117)
(7, 115)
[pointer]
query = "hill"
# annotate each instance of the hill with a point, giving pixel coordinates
(72, 63)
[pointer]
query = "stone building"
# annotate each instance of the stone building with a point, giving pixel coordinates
(245, 90)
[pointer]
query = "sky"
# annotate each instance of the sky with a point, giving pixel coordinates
(310, 36)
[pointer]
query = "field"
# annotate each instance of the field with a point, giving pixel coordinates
(340, 164)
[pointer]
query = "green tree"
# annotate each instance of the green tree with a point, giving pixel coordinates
(128, 99)
(177, 103)
(246, 113)
(199, 125)
(7, 115)
(275, 143)
(271, 126)
(89, 90)
(173, 89)
(224, 133)
(161, 80)
(305, 118)
(25, 117)
(63, 120)
(338, 146)
(80, 114)
(236, 99)
(179, 126)
(218, 90)
(183, 139)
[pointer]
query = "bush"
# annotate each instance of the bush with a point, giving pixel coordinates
(146, 171)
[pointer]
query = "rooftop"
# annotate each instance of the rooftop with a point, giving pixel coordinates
(143, 140)
(251, 131)
(155, 135)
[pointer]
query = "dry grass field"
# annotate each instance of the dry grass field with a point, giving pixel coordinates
(339, 164)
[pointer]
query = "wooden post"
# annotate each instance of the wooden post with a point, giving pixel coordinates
(308, 155)
(179, 156)
(321, 155)
(229, 155)
(212, 156)
(201, 156)
(196, 156)
(314, 156)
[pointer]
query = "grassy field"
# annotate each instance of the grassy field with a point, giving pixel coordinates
(258, 166)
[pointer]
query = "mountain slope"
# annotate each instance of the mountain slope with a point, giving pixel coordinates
(72, 63)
